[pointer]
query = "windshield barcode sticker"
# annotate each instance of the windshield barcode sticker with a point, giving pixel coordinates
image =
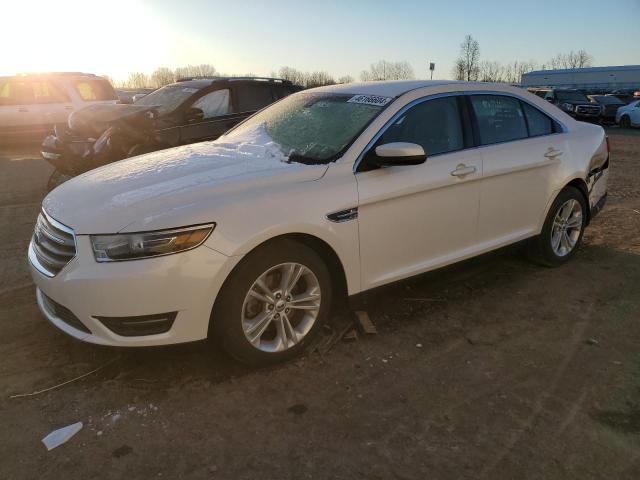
(370, 100)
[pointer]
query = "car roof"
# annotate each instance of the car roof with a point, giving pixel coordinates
(386, 88)
(201, 82)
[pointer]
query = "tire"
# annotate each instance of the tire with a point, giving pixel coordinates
(551, 248)
(625, 122)
(236, 311)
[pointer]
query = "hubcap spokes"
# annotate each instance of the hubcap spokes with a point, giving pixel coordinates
(281, 307)
(567, 226)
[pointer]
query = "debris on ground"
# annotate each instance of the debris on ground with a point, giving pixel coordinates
(38, 392)
(364, 323)
(592, 341)
(60, 436)
(418, 345)
(351, 335)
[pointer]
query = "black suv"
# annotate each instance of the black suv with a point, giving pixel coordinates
(190, 110)
(572, 102)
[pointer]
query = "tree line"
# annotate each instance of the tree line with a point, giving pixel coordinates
(468, 66)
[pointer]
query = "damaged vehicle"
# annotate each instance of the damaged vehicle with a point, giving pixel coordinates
(320, 198)
(188, 111)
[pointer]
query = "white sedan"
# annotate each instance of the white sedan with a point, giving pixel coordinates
(629, 115)
(325, 195)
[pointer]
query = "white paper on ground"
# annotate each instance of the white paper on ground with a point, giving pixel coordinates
(60, 436)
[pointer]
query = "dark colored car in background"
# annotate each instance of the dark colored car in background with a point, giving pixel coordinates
(627, 96)
(572, 102)
(188, 111)
(609, 105)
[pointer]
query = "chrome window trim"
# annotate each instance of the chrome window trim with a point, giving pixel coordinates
(413, 103)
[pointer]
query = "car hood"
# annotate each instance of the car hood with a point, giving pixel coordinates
(175, 187)
(95, 119)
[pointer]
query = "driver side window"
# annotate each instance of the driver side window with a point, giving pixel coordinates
(434, 124)
(213, 104)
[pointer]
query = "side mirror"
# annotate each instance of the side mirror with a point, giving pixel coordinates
(398, 153)
(192, 115)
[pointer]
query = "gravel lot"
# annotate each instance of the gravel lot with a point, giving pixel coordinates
(492, 369)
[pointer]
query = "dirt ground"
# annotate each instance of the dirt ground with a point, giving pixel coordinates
(494, 369)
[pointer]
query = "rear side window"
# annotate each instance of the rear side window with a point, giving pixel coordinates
(539, 123)
(434, 124)
(46, 92)
(500, 119)
(95, 90)
(253, 97)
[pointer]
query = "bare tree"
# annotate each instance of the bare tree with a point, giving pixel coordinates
(385, 70)
(202, 70)
(291, 74)
(345, 79)
(579, 59)
(458, 70)
(491, 71)
(137, 80)
(318, 79)
(162, 76)
(469, 59)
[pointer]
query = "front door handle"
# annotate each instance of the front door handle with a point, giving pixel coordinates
(462, 170)
(552, 153)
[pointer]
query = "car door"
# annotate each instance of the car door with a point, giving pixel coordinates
(635, 114)
(521, 149)
(218, 117)
(415, 218)
(50, 105)
(16, 105)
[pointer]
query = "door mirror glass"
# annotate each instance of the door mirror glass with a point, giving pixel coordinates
(193, 114)
(398, 153)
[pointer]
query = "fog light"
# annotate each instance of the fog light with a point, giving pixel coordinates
(139, 326)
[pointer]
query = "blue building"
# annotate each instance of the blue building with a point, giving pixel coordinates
(621, 77)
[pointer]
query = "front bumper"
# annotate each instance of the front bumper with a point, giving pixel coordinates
(186, 284)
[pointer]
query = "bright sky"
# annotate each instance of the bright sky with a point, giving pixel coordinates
(115, 37)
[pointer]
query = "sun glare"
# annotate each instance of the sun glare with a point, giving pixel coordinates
(73, 35)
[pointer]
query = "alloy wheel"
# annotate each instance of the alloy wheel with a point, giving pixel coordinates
(567, 227)
(281, 307)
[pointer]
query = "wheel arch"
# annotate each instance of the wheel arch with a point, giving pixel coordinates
(581, 185)
(326, 252)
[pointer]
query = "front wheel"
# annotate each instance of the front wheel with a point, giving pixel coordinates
(272, 304)
(562, 231)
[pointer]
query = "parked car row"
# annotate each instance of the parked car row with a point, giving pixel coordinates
(188, 111)
(594, 105)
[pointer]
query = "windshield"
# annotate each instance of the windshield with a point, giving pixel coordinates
(569, 96)
(168, 98)
(608, 100)
(313, 128)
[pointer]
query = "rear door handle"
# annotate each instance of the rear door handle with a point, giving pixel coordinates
(462, 170)
(23, 110)
(552, 153)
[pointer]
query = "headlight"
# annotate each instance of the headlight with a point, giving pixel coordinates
(132, 246)
(568, 107)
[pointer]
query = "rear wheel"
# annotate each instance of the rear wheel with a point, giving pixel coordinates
(625, 122)
(272, 304)
(562, 231)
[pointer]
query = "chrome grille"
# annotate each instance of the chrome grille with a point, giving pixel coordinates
(53, 245)
(587, 110)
